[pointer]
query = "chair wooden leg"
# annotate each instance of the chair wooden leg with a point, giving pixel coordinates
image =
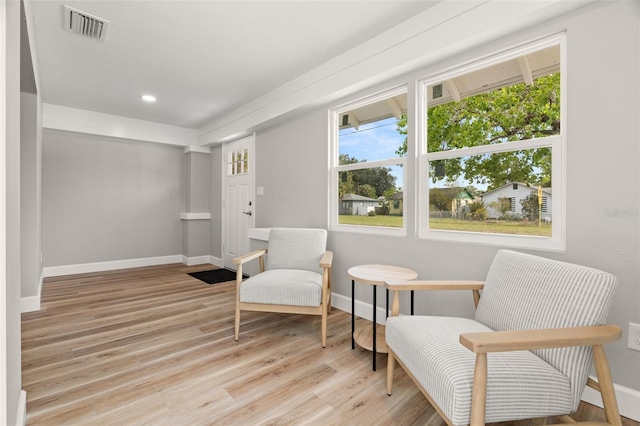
(238, 284)
(324, 327)
(329, 295)
(479, 395)
(391, 365)
(237, 323)
(566, 419)
(606, 386)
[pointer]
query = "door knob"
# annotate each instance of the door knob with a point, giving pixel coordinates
(248, 213)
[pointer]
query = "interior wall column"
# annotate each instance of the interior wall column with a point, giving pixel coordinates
(196, 218)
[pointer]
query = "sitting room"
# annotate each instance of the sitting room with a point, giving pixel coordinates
(253, 212)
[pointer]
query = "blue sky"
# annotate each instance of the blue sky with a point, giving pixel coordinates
(373, 141)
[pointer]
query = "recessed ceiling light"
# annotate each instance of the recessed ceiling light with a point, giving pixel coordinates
(148, 98)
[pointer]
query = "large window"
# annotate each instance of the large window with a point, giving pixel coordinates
(368, 165)
(486, 149)
(491, 149)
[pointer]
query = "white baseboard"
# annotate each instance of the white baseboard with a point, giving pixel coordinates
(32, 303)
(56, 271)
(215, 261)
(195, 260)
(201, 260)
(628, 399)
(363, 310)
(21, 418)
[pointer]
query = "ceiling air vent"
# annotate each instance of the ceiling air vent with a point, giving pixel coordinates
(84, 24)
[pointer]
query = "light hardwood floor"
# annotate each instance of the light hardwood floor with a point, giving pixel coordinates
(155, 346)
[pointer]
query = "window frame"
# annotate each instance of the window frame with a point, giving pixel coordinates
(335, 168)
(557, 144)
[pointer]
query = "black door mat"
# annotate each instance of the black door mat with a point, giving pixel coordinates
(215, 276)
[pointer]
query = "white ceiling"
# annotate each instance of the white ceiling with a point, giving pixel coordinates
(201, 59)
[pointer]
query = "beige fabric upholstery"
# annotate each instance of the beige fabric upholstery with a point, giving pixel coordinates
(521, 384)
(296, 249)
(283, 287)
(521, 292)
(295, 276)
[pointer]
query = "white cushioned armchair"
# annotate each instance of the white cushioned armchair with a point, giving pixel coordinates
(295, 276)
(527, 353)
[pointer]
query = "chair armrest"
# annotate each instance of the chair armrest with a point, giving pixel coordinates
(503, 341)
(398, 285)
(249, 256)
(327, 259)
(434, 285)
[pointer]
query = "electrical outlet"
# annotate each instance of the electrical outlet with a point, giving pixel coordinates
(634, 337)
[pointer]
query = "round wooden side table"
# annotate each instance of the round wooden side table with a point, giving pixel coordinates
(373, 275)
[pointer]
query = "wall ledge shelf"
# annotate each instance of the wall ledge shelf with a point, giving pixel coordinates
(261, 234)
(195, 216)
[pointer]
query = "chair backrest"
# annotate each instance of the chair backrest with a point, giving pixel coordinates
(296, 248)
(523, 291)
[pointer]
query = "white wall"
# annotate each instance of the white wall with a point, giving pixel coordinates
(215, 200)
(10, 371)
(30, 195)
(291, 165)
(196, 233)
(602, 162)
(110, 200)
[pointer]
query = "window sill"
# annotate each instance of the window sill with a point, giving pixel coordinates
(371, 230)
(502, 240)
(261, 234)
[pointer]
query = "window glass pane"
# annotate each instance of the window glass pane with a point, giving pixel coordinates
(510, 101)
(371, 197)
(238, 162)
(376, 131)
(492, 193)
(230, 164)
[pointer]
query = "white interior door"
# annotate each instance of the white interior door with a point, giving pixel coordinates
(238, 202)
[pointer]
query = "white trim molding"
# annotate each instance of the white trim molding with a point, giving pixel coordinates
(197, 148)
(196, 260)
(56, 271)
(363, 309)
(21, 417)
(96, 123)
(32, 303)
(628, 400)
(217, 261)
(195, 216)
(261, 234)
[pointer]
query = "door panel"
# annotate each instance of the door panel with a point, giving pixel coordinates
(238, 204)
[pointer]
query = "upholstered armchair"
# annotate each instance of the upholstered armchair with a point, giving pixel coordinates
(295, 276)
(538, 326)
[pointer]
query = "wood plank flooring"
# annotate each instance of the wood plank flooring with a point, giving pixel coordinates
(155, 346)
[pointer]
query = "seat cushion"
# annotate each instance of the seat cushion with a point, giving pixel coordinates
(283, 287)
(520, 384)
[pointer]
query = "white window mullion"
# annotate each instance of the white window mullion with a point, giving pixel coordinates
(495, 148)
